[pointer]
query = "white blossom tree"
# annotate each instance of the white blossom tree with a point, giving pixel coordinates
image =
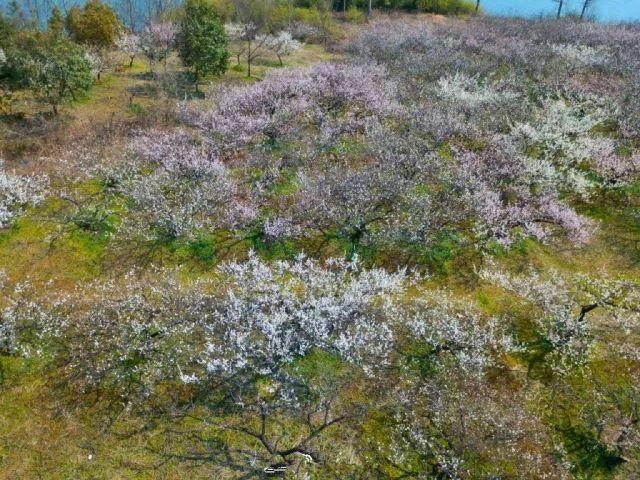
(282, 44)
(156, 41)
(19, 192)
(129, 44)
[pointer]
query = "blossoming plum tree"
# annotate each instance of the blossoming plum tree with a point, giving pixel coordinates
(18, 192)
(156, 41)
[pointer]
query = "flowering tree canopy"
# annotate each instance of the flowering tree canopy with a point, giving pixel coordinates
(18, 192)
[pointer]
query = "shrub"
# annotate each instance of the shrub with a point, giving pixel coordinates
(355, 15)
(446, 7)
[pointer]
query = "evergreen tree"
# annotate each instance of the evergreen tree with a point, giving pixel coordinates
(96, 24)
(203, 43)
(7, 30)
(55, 24)
(54, 73)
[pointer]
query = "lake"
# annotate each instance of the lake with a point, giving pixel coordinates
(603, 10)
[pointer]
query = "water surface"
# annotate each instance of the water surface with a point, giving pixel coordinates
(603, 10)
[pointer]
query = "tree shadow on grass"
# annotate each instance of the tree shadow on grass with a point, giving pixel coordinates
(175, 85)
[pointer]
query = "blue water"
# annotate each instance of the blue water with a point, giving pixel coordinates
(603, 10)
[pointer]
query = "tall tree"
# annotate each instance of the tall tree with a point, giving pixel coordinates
(254, 18)
(560, 5)
(130, 45)
(55, 24)
(156, 40)
(585, 6)
(17, 14)
(324, 18)
(96, 24)
(7, 31)
(203, 43)
(129, 12)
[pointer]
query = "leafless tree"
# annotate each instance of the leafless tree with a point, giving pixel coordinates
(129, 13)
(560, 5)
(325, 16)
(585, 7)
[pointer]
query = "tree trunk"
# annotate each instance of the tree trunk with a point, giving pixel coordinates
(55, 109)
(370, 2)
(477, 5)
(560, 3)
(585, 5)
(131, 61)
(249, 59)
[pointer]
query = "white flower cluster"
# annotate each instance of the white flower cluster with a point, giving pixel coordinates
(274, 313)
(583, 54)
(465, 89)
(176, 187)
(255, 317)
(282, 43)
(565, 306)
(458, 332)
(18, 192)
(128, 43)
(561, 133)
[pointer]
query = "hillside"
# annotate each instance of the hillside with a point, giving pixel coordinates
(410, 252)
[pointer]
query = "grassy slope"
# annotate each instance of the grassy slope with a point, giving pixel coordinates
(39, 439)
